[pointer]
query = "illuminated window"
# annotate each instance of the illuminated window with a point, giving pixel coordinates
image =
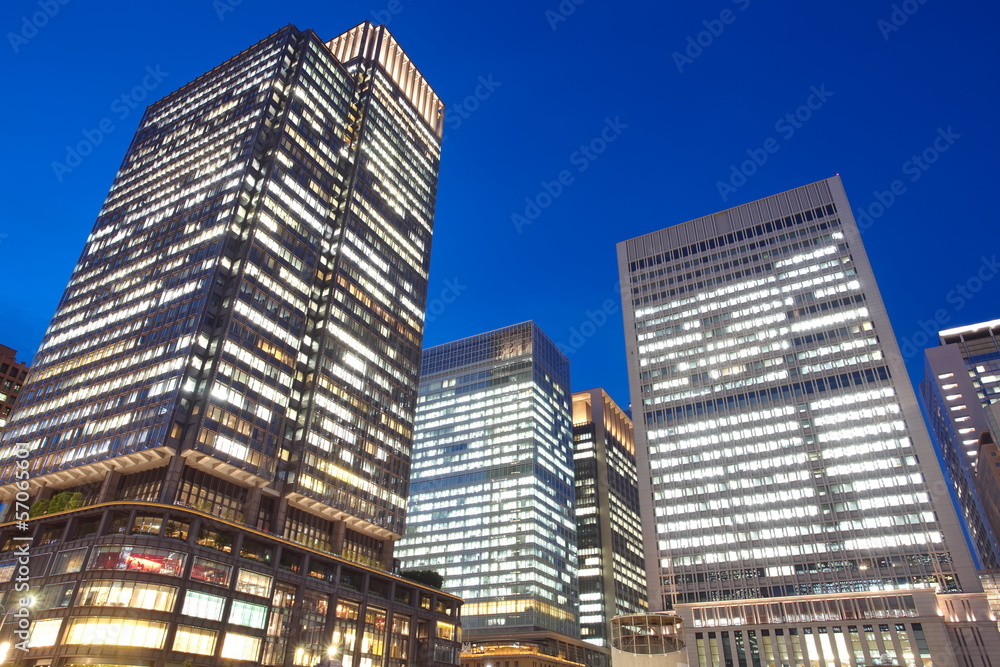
(129, 594)
(249, 614)
(203, 605)
(147, 525)
(44, 633)
(100, 631)
(253, 583)
(240, 647)
(445, 631)
(190, 639)
(67, 562)
(210, 571)
(138, 559)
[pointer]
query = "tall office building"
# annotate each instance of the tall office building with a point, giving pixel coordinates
(609, 530)
(796, 511)
(225, 396)
(491, 495)
(961, 380)
(12, 376)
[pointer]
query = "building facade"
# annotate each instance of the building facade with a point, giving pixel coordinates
(648, 640)
(239, 345)
(12, 376)
(147, 584)
(979, 345)
(961, 380)
(781, 451)
(491, 496)
(612, 576)
(987, 478)
(914, 627)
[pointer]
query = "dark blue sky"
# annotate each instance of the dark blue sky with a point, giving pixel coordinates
(680, 115)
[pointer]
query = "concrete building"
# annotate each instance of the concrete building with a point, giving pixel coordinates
(782, 456)
(987, 477)
(979, 345)
(612, 578)
(961, 381)
(12, 376)
(219, 419)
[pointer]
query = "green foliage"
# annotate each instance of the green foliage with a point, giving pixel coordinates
(62, 501)
(58, 502)
(75, 501)
(427, 577)
(39, 508)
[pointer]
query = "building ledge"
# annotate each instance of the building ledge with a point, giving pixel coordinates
(217, 468)
(324, 511)
(145, 459)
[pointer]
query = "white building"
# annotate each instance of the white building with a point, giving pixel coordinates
(791, 488)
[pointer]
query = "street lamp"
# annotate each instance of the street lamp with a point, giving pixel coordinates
(4, 613)
(5, 645)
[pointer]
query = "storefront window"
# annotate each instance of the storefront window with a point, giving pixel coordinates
(138, 559)
(67, 562)
(253, 583)
(211, 572)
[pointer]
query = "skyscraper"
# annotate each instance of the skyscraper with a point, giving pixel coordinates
(608, 526)
(230, 377)
(12, 376)
(491, 502)
(796, 511)
(961, 380)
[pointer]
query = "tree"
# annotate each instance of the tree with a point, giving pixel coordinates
(428, 577)
(39, 508)
(58, 502)
(75, 501)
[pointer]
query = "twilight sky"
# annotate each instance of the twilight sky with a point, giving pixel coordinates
(644, 110)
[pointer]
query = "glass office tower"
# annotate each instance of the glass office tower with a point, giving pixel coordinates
(228, 384)
(609, 530)
(491, 498)
(794, 501)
